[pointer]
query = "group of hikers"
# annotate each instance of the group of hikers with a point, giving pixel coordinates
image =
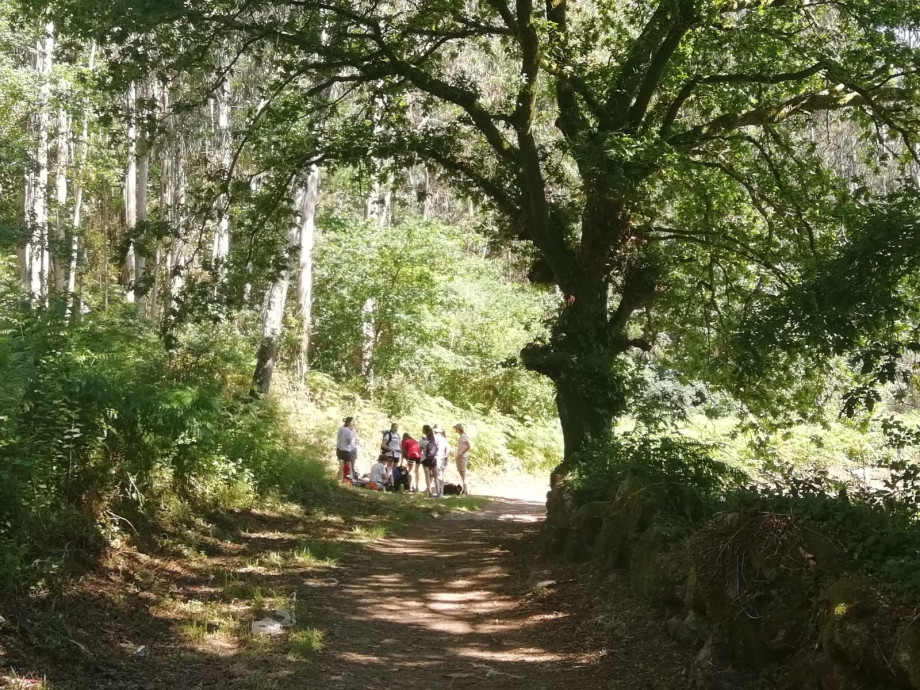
(400, 458)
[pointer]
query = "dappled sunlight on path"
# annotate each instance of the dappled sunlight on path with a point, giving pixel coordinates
(439, 605)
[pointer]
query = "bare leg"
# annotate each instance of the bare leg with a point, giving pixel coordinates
(462, 474)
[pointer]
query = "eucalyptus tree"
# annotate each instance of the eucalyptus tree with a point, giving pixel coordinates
(36, 253)
(650, 152)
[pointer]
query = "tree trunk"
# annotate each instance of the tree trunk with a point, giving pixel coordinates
(79, 162)
(272, 322)
(221, 249)
(140, 256)
(581, 360)
(35, 255)
(61, 261)
(130, 192)
(308, 200)
(582, 356)
(378, 202)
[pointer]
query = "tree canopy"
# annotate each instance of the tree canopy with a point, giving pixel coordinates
(672, 166)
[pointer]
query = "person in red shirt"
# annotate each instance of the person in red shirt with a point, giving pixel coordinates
(413, 456)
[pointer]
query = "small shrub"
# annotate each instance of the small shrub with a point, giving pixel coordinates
(682, 471)
(306, 643)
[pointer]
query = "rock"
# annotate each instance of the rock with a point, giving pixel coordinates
(692, 629)
(628, 516)
(586, 524)
(859, 627)
(907, 652)
(819, 671)
(658, 566)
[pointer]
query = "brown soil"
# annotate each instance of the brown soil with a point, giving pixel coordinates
(460, 601)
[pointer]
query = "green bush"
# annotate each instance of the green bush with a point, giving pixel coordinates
(681, 470)
(99, 422)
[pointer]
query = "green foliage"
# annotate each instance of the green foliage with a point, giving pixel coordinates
(679, 470)
(415, 308)
(859, 302)
(98, 422)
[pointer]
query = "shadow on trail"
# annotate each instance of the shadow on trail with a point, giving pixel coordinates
(444, 603)
(440, 605)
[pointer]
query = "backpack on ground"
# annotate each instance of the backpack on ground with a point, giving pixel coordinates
(452, 489)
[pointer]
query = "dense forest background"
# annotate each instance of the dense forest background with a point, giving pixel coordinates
(603, 236)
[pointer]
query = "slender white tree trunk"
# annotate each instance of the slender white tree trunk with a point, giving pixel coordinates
(61, 265)
(378, 202)
(35, 255)
(368, 333)
(82, 150)
(130, 190)
(140, 258)
(221, 248)
(308, 197)
(272, 322)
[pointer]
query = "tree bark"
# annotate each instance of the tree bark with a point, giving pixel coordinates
(272, 323)
(221, 249)
(309, 194)
(35, 254)
(587, 339)
(378, 201)
(129, 267)
(140, 256)
(60, 260)
(82, 150)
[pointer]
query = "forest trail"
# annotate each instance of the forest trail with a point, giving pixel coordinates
(463, 600)
(466, 601)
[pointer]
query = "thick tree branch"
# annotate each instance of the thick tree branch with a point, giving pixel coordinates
(570, 122)
(835, 98)
(690, 86)
(733, 246)
(505, 201)
(623, 91)
(683, 21)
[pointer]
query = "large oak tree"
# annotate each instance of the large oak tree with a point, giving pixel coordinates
(642, 148)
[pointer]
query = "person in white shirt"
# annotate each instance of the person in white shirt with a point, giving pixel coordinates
(462, 454)
(346, 448)
(443, 453)
(380, 474)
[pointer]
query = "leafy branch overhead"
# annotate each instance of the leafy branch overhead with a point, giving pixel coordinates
(641, 149)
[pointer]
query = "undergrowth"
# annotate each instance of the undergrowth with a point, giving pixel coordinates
(873, 518)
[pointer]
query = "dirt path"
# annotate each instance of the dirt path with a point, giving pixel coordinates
(467, 601)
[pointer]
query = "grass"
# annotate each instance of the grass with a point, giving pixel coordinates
(370, 533)
(305, 643)
(194, 632)
(17, 682)
(314, 556)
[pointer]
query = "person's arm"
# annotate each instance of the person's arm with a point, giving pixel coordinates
(463, 447)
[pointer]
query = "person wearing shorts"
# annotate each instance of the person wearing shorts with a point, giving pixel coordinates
(462, 455)
(346, 448)
(430, 459)
(443, 456)
(413, 455)
(391, 446)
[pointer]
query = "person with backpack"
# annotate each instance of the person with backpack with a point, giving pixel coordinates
(413, 455)
(461, 456)
(430, 459)
(390, 445)
(346, 448)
